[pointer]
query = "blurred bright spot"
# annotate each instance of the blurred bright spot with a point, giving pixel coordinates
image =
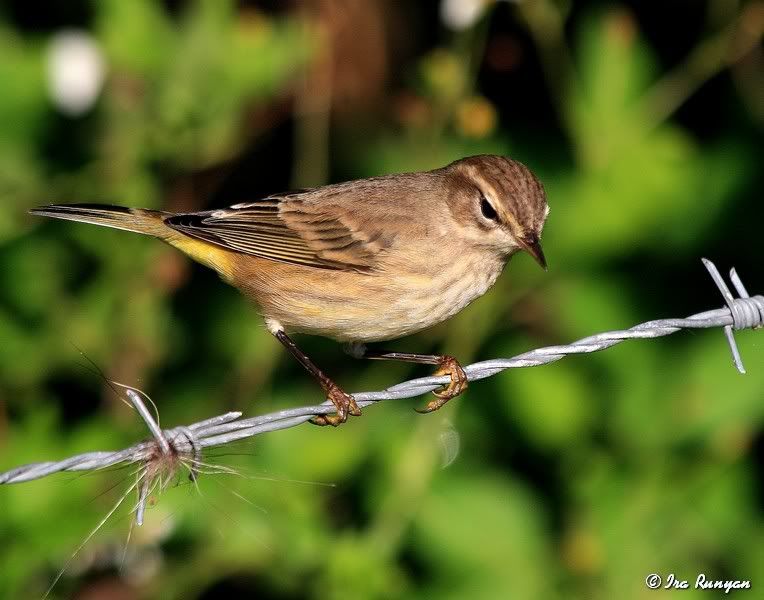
(476, 117)
(444, 74)
(75, 71)
(582, 551)
(461, 14)
(450, 444)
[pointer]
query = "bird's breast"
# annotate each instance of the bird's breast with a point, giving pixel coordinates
(424, 300)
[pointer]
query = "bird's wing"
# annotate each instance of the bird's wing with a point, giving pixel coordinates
(289, 229)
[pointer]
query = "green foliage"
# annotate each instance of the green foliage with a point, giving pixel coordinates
(573, 480)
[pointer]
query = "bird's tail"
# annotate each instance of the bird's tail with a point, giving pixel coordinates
(138, 220)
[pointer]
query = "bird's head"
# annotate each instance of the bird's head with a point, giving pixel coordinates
(499, 203)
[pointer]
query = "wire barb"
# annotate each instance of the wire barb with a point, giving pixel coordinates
(160, 455)
(746, 312)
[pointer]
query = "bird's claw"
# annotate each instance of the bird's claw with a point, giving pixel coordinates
(343, 402)
(451, 367)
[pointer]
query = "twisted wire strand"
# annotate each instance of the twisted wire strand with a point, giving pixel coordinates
(188, 441)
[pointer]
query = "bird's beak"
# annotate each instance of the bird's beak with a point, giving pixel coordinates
(533, 247)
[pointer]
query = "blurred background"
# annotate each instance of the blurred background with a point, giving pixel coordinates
(574, 480)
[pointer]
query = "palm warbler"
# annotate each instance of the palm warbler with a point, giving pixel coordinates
(362, 261)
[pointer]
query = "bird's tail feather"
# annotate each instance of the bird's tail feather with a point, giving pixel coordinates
(138, 220)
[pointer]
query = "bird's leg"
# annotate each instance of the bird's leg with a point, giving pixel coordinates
(447, 365)
(343, 402)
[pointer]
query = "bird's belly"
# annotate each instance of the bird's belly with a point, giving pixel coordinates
(368, 308)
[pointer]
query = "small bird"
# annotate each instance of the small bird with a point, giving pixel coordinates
(361, 261)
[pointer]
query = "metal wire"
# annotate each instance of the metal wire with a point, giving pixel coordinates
(187, 442)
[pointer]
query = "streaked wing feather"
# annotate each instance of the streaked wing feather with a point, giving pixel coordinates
(277, 228)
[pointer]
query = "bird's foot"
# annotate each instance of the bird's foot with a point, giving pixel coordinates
(343, 402)
(451, 367)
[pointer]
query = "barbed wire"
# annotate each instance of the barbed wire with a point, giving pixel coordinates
(185, 444)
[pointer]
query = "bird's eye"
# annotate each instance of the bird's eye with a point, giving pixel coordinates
(487, 210)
